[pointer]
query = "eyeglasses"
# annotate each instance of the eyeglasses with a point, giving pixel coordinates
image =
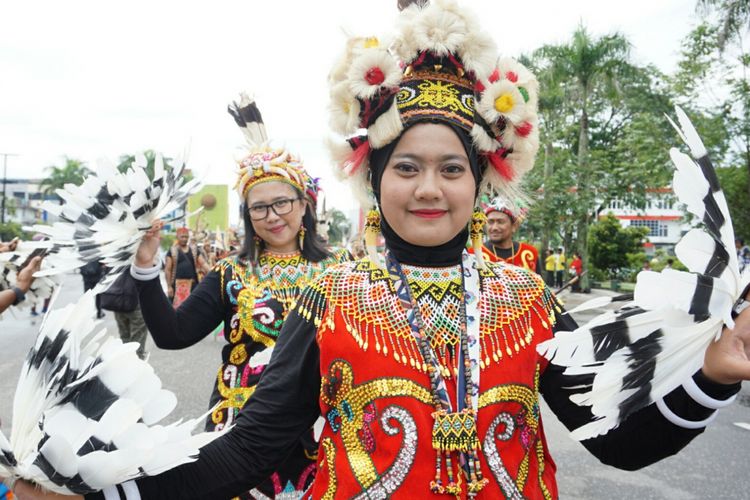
(279, 207)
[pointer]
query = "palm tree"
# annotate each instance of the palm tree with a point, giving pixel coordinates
(734, 18)
(589, 66)
(72, 172)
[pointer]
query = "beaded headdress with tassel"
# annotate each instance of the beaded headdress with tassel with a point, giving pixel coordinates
(439, 67)
(516, 209)
(263, 163)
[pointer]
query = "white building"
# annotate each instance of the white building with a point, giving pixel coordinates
(23, 204)
(663, 216)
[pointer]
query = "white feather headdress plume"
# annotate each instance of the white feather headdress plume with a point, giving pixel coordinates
(641, 353)
(105, 218)
(247, 116)
(259, 162)
(86, 411)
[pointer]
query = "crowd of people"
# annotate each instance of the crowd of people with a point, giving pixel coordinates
(418, 353)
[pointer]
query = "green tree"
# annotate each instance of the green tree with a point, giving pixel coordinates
(733, 18)
(11, 230)
(591, 66)
(150, 155)
(614, 248)
(71, 172)
(602, 132)
(713, 80)
(338, 227)
(733, 181)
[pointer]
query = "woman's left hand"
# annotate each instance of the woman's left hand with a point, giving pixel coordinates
(727, 361)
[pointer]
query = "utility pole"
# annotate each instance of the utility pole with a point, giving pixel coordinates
(5, 181)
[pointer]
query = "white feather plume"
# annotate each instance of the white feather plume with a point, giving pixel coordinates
(86, 411)
(106, 217)
(639, 357)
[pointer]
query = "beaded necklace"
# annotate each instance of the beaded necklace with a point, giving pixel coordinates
(453, 430)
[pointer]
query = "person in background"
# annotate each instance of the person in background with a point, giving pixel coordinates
(559, 259)
(183, 264)
(576, 269)
(91, 274)
(549, 267)
(25, 278)
(122, 299)
(503, 220)
(9, 246)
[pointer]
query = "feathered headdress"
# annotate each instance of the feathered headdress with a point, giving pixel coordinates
(440, 66)
(262, 163)
(516, 210)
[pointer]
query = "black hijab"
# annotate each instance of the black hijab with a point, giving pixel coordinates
(448, 253)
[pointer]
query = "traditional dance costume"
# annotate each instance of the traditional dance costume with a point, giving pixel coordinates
(519, 254)
(347, 352)
(423, 362)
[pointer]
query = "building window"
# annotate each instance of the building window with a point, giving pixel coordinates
(654, 227)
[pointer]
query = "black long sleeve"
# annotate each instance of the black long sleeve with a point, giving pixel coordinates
(201, 312)
(646, 436)
(283, 407)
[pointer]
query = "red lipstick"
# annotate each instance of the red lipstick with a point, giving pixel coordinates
(429, 213)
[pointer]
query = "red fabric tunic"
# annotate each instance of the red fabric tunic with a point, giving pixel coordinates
(375, 392)
(527, 256)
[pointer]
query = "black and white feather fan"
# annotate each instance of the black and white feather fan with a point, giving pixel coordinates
(645, 350)
(105, 217)
(86, 411)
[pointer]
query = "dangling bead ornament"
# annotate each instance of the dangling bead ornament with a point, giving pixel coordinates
(476, 232)
(454, 430)
(372, 231)
(301, 238)
(258, 241)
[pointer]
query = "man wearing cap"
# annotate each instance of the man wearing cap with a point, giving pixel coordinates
(503, 220)
(182, 265)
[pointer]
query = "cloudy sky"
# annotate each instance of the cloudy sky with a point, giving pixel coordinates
(91, 79)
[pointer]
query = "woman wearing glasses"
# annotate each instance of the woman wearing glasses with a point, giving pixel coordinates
(253, 291)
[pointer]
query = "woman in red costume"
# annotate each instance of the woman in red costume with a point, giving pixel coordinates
(423, 361)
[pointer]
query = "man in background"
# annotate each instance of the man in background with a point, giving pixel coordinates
(183, 264)
(503, 220)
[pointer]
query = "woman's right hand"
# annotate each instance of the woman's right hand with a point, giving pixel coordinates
(27, 491)
(149, 247)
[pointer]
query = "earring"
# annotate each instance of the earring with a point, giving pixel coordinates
(372, 230)
(258, 242)
(476, 232)
(301, 238)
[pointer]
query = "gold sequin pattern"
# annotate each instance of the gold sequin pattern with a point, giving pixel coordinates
(348, 401)
(329, 454)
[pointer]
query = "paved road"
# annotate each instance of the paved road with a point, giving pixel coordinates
(714, 466)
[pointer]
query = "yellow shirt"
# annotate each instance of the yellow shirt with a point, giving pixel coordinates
(559, 262)
(549, 263)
